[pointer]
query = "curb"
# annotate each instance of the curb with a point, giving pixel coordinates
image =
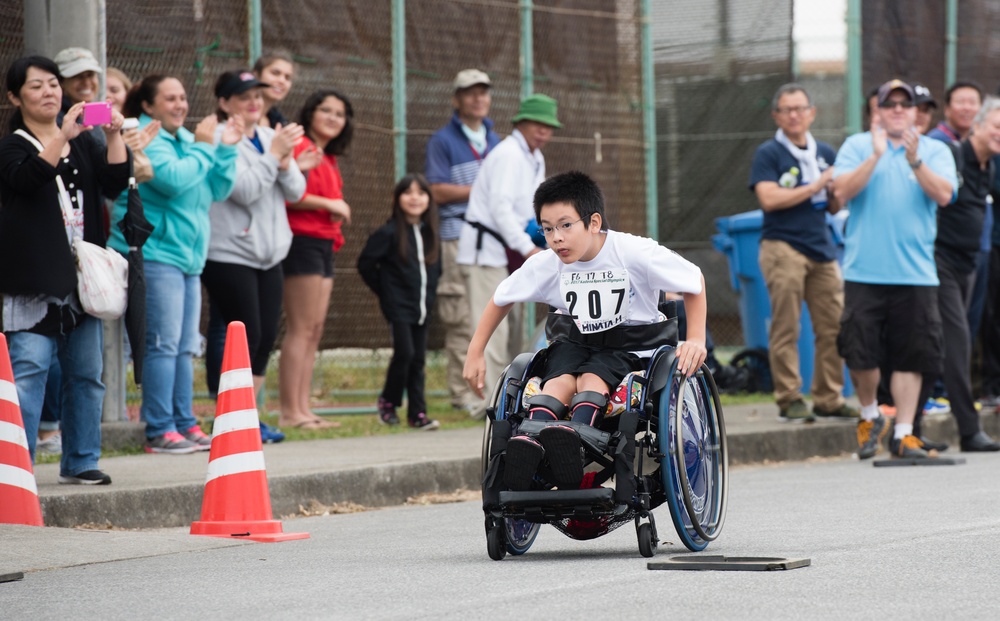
(387, 485)
(179, 505)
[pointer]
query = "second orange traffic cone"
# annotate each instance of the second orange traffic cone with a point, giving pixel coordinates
(237, 501)
(18, 491)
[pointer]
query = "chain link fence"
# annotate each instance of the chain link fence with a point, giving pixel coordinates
(717, 64)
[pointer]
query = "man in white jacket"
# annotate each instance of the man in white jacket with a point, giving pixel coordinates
(500, 209)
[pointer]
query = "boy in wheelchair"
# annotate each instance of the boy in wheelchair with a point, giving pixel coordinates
(605, 288)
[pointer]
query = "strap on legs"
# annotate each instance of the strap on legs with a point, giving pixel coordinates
(546, 407)
(588, 407)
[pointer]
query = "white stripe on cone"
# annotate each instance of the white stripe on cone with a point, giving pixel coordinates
(237, 378)
(9, 432)
(235, 464)
(236, 420)
(8, 392)
(17, 477)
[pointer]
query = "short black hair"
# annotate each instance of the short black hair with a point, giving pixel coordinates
(962, 84)
(575, 188)
(17, 75)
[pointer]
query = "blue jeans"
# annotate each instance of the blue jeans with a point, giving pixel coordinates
(82, 393)
(173, 310)
(50, 407)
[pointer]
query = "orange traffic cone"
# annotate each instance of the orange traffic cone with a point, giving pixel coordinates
(18, 492)
(237, 502)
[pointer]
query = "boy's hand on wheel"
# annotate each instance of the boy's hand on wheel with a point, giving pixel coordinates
(690, 356)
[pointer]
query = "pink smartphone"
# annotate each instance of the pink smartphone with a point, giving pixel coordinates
(97, 113)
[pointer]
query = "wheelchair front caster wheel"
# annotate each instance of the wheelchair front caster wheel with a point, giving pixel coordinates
(496, 543)
(647, 547)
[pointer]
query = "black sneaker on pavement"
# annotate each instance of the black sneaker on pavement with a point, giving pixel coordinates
(870, 434)
(909, 447)
(796, 412)
(172, 443)
(87, 477)
(422, 422)
(979, 442)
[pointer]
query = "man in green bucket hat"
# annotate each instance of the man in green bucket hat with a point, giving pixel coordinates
(497, 234)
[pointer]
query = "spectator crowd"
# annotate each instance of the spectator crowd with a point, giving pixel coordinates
(250, 204)
(914, 291)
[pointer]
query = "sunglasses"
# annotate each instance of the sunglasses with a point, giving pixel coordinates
(889, 105)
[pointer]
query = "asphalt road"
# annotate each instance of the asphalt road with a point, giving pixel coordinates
(885, 543)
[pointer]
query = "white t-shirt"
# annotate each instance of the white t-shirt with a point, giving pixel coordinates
(620, 286)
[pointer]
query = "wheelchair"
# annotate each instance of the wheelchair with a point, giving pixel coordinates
(670, 421)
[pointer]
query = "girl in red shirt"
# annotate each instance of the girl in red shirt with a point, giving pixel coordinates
(315, 221)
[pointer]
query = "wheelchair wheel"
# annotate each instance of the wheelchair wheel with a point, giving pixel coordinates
(496, 544)
(647, 547)
(696, 471)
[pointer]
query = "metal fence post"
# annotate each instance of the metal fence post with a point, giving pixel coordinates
(399, 84)
(527, 62)
(854, 98)
(951, 43)
(527, 55)
(649, 124)
(254, 36)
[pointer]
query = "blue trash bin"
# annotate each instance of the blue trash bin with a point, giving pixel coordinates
(739, 240)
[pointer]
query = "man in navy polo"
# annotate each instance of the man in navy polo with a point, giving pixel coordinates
(791, 175)
(454, 155)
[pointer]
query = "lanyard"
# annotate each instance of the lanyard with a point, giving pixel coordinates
(476, 154)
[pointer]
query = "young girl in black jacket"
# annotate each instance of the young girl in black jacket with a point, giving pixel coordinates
(400, 263)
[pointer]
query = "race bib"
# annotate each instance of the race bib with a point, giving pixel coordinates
(597, 301)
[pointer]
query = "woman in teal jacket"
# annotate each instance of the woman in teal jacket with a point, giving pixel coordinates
(189, 173)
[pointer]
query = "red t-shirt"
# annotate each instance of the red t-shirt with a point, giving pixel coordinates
(325, 181)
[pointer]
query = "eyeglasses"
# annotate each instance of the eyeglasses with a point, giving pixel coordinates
(562, 228)
(786, 110)
(892, 105)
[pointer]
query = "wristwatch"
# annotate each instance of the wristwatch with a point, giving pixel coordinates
(917, 164)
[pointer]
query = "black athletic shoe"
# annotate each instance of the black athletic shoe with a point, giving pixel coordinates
(521, 462)
(88, 477)
(565, 455)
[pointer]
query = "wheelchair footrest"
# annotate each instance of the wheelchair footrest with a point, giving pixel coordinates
(558, 504)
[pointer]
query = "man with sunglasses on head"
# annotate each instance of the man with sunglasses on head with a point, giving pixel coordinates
(894, 180)
(791, 176)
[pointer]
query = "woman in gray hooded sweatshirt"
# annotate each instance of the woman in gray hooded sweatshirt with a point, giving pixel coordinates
(250, 233)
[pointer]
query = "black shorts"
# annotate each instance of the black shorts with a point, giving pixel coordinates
(901, 322)
(569, 358)
(309, 256)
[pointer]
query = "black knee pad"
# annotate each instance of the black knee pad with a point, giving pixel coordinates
(589, 407)
(545, 407)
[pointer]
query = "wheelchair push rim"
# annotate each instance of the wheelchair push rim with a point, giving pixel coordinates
(694, 442)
